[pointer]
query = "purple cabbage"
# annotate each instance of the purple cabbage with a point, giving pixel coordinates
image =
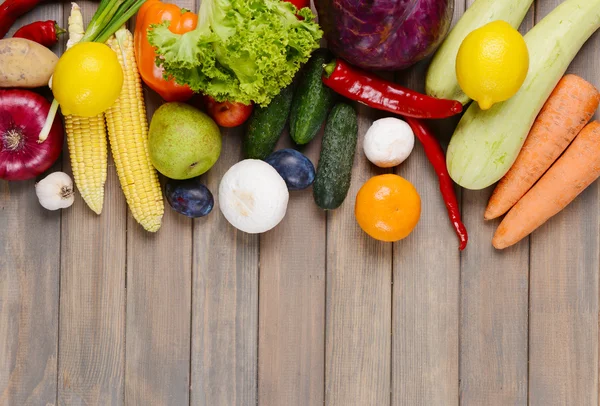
(384, 34)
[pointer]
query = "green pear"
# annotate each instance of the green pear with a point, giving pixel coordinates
(183, 141)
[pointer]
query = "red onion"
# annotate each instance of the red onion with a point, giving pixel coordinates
(23, 154)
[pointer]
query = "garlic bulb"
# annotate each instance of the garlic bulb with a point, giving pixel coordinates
(55, 191)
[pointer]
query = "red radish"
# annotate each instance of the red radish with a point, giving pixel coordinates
(23, 155)
(227, 114)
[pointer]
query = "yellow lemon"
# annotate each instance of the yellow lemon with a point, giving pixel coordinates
(87, 79)
(492, 63)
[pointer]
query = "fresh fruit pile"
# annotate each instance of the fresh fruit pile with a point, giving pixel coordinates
(260, 65)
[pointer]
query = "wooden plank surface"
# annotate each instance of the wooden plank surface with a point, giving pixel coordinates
(92, 295)
(358, 303)
(494, 308)
(425, 304)
(29, 281)
(292, 301)
(426, 301)
(159, 288)
(307, 314)
(225, 301)
(563, 328)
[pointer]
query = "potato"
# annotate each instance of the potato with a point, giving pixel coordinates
(24, 63)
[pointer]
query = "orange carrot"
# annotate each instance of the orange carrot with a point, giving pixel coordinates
(574, 171)
(568, 109)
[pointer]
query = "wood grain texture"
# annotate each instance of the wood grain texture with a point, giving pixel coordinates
(29, 286)
(225, 300)
(425, 305)
(494, 308)
(92, 295)
(563, 328)
(358, 303)
(159, 289)
(29, 280)
(291, 352)
(92, 306)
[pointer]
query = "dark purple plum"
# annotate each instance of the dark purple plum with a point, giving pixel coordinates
(297, 170)
(189, 197)
(384, 34)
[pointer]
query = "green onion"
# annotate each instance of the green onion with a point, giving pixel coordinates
(110, 15)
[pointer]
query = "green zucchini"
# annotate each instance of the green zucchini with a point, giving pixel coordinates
(312, 100)
(334, 170)
(266, 125)
(486, 143)
(441, 81)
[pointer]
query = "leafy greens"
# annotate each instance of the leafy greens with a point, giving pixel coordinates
(241, 50)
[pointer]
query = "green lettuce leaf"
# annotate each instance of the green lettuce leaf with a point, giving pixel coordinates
(242, 50)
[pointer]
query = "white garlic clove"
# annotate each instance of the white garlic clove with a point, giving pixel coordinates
(55, 191)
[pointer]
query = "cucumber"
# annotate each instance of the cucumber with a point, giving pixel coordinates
(312, 100)
(334, 170)
(441, 81)
(266, 125)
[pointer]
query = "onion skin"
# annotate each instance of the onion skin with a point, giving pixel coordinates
(384, 34)
(22, 116)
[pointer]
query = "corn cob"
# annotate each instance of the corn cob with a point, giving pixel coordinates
(86, 139)
(128, 135)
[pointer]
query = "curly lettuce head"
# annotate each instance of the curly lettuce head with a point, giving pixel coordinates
(242, 50)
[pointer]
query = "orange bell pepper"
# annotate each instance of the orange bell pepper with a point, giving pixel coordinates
(182, 21)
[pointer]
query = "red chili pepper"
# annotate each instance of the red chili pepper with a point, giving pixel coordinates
(436, 156)
(381, 94)
(10, 10)
(43, 32)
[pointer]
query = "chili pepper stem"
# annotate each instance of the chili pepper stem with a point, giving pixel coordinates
(59, 31)
(329, 68)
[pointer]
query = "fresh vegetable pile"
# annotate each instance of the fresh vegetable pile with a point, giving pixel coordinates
(258, 63)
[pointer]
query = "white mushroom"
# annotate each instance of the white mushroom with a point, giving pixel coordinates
(388, 142)
(253, 197)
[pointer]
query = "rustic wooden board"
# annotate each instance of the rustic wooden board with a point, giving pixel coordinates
(307, 314)
(29, 290)
(29, 282)
(494, 308)
(358, 303)
(563, 328)
(92, 295)
(225, 301)
(425, 304)
(159, 288)
(292, 301)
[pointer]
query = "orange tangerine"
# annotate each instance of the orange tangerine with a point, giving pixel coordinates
(387, 207)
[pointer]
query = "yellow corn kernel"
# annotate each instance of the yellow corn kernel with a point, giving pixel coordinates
(128, 135)
(86, 138)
